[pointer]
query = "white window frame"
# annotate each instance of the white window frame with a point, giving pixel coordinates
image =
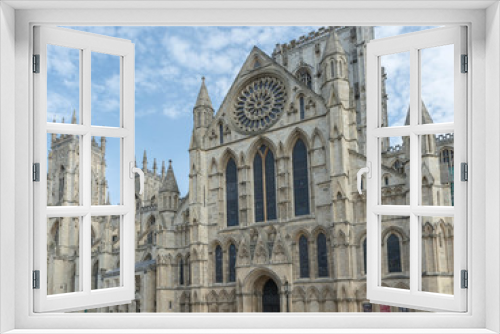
(413, 43)
(484, 50)
(84, 296)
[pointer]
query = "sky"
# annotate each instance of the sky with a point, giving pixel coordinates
(170, 62)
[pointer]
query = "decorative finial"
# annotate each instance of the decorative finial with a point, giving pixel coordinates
(170, 162)
(203, 78)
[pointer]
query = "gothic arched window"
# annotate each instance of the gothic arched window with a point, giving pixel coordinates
(181, 272)
(364, 255)
(303, 257)
(302, 108)
(305, 77)
(264, 185)
(300, 179)
(218, 265)
(232, 193)
(232, 263)
(188, 269)
(393, 254)
(322, 255)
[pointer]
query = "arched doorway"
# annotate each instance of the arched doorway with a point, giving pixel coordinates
(270, 297)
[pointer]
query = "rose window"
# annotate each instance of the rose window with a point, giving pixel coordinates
(259, 105)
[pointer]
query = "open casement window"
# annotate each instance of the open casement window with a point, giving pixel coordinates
(73, 214)
(414, 233)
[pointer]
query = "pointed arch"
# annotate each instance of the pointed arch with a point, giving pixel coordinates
(304, 256)
(232, 262)
(393, 254)
(232, 211)
(264, 177)
(322, 253)
(219, 275)
(300, 169)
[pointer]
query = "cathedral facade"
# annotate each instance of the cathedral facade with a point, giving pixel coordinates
(273, 221)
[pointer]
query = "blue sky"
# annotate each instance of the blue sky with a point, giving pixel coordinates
(170, 62)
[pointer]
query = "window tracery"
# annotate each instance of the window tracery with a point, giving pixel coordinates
(232, 193)
(264, 185)
(259, 105)
(300, 178)
(303, 257)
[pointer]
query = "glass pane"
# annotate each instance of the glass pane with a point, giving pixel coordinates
(437, 84)
(395, 93)
(105, 89)
(63, 251)
(437, 170)
(395, 170)
(105, 240)
(63, 170)
(63, 84)
(106, 171)
(437, 254)
(396, 251)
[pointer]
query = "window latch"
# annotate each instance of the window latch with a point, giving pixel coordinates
(368, 171)
(132, 171)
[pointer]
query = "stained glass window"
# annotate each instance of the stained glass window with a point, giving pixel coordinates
(264, 185)
(270, 186)
(302, 108)
(303, 257)
(322, 256)
(393, 254)
(300, 179)
(232, 193)
(232, 263)
(258, 186)
(181, 272)
(218, 265)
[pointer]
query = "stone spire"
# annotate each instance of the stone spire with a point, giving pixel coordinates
(333, 45)
(203, 112)
(73, 118)
(103, 145)
(145, 162)
(54, 136)
(170, 183)
(203, 97)
(155, 166)
(163, 170)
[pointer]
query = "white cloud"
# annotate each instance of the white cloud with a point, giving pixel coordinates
(177, 110)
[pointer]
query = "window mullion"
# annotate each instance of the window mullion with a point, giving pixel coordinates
(85, 182)
(414, 168)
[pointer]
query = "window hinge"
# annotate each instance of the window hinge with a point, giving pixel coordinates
(464, 171)
(36, 172)
(465, 279)
(36, 279)
(36, 63)
(465, 64)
